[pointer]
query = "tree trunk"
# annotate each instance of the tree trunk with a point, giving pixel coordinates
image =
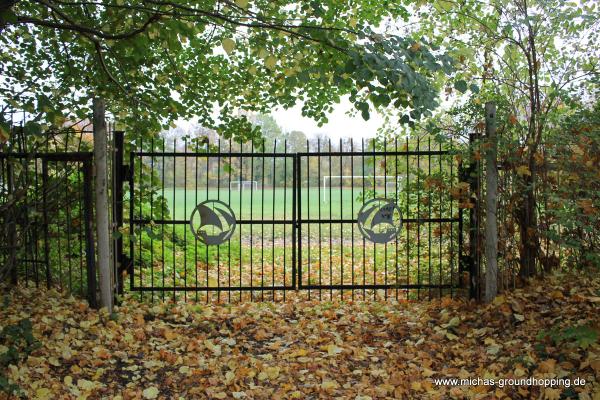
(528, 228)
(101, 200)
(491, 204)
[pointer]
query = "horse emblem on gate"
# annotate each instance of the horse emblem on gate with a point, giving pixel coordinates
(380, 220)
(212, 222)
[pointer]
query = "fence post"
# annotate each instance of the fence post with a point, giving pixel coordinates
(89, 232)
(491, 199)
(474, 248)
(118, 174)
(102, 219)
(45, 221)
(12, 228)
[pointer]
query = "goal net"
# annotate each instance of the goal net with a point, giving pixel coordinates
(243, 185)
(392, 183)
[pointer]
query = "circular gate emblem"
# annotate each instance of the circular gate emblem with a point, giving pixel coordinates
(380, 220)
(212, 222)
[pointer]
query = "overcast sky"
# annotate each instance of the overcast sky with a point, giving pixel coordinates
(340, 123)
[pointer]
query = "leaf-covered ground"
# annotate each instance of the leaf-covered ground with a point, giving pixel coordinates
(364, 350)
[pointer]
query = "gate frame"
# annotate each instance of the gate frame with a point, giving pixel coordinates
(467, 263)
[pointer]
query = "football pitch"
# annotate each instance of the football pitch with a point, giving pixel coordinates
(269, 203)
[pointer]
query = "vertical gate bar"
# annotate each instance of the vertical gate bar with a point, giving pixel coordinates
(218, 198)
(207, 197)
(374, 195)
(89, 233)
(45, 220)
(419, 217)
(6, 166)
(299, 215)
(262, 225)
(162, 216)
(131, 208)
(397, 197)
(274, 185)
(251, 212)
(195, 204)
(229, 242)
(36, 265)
(440, 216)
(27, 232)
(185, 213)
(330, 228)
(407, 224)
(460, 217)
(141, 148)
(58, 229)
(69, 222)
(241, 214)
(352, 208)
(308, 209)
(119, 139)
(364, 246)
(385, 246)
(473, 257)
(151, 219)
(341, 223)
(294, 224)
(285, 178)
(319, 208)
(174, 217)
(429, 212)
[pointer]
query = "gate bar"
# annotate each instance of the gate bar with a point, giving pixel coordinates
(89, 232)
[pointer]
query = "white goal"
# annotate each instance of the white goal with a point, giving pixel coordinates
(243, 185)
(392, 182)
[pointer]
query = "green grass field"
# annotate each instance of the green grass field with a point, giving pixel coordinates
(269, 203)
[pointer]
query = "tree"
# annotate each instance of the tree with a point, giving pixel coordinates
(155, 61)
(528, 55)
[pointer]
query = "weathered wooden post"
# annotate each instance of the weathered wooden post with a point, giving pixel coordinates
(491, 203)
(101, 191)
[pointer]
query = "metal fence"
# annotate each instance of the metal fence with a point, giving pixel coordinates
(227, 221)
(47, 214)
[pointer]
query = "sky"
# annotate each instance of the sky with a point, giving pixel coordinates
(341, 125)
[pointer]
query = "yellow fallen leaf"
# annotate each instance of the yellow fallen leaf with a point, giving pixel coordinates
(498, 300)
(272, 372)
(333, 350)
(229, 377)
(299, 353)
(215, 348)
(329, 384)
(150, 393)
(86, 385)
(43, 393)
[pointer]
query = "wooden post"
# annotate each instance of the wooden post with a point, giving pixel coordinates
(491, 204)
(101, 192)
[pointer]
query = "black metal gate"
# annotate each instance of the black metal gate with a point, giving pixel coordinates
(226, 221)
(47, 200)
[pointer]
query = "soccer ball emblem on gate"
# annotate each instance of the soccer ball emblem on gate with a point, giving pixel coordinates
(212, 222)
(380, 220)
